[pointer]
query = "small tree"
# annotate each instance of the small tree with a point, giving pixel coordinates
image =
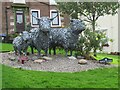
(91, 41)
(90, 10)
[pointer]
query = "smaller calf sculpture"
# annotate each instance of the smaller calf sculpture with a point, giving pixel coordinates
(21, 43)
(66, 37)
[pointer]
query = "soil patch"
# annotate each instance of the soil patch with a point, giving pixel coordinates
(59, 63)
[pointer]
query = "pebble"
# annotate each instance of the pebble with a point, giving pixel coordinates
(39, 61)
(82, 61)
(80, 57)
(34, 57)
(12, 58)
(72, 58)
(11, 52)
(46, 58)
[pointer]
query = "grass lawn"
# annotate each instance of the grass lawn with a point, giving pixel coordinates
(0, 77)
(5, 47)
(98, 78)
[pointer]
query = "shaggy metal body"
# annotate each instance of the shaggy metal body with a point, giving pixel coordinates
(66, 37)
(46, 37)
(40, 36)
(40, 40)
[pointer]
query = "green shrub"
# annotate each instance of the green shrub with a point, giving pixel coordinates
(13, 35)
(28, 27)
(91, 41)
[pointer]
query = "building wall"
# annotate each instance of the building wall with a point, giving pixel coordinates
(43, 7)
(1, 17)
(119, 30)
(110, 23)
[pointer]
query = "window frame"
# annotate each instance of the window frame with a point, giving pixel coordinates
(19, 1)
(59, 19)
(34, 10)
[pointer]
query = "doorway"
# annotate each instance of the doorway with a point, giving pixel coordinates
(20, 21)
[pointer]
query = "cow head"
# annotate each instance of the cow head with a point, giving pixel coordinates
(77, 24)
(44, 23)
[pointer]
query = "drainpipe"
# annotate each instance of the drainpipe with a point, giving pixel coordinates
(6, 21)
(6, 16)
(6, 8)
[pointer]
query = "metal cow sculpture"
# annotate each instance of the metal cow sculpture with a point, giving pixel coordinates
(46, 37)
(40, 36)
(66, 37)
(21, 43)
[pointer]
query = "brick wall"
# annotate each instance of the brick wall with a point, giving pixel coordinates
(9, 15)
(44, 11)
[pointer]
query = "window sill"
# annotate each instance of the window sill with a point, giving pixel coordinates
(35, 25)
(56, 26)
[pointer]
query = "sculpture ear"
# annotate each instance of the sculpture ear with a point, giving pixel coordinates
(53, 17)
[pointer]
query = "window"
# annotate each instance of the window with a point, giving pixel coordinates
(19, 1)
(19, 19)
(34, 14)
(56, 21)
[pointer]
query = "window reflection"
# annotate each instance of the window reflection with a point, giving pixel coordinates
(19, 19)
(34, 20)
(56, 20)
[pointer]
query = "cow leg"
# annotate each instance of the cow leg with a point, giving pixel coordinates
(15, 49)
(25, 51)
(50, 51)
(46, 52)
(19, 52)
(39, 53)
(32, 49)
(70, 52)
(66, 52)
(54, 49)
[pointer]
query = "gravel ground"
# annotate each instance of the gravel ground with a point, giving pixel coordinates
(59, 63)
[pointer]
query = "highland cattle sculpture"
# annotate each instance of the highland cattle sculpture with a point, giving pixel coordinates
(46, 37)
(66, 37)
(40, 36)
(21, 43)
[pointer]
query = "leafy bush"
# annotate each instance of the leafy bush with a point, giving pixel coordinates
(91, 41)
(28, 27)
(13, 35)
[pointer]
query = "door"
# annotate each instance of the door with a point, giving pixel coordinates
(20, 22)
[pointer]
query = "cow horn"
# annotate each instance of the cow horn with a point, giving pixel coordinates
(53, 18)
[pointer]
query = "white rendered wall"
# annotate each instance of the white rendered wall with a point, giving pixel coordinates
(111, 24)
